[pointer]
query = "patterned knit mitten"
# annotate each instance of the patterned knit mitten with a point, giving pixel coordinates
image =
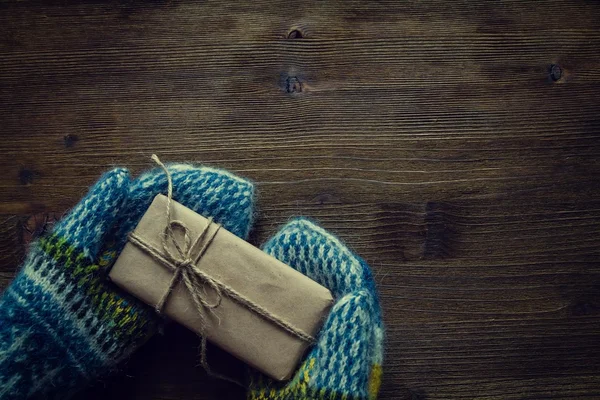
(62, 324)
(346, 361)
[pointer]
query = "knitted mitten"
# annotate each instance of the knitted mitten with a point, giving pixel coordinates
(346, 361)
(61, 323)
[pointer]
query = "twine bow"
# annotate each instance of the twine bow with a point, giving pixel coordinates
(183, 262)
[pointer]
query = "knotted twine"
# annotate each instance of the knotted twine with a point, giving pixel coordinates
(183, 263)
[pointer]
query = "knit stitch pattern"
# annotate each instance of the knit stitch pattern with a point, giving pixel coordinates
(346, 362)
(62, 324)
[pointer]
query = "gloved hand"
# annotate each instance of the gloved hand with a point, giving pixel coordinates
(62, 324)
(346, 361)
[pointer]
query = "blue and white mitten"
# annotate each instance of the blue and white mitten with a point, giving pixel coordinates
(62, 325)
(346, 362)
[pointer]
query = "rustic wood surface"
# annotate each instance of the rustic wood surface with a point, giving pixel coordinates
(455, 145)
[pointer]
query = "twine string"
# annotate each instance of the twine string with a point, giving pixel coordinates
(182, 259)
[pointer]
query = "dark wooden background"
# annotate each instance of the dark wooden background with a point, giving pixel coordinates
(455, 145)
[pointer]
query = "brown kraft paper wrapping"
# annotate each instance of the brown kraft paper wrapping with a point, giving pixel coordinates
(231, 261)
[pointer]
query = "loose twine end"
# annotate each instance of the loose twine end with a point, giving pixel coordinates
(183, 266)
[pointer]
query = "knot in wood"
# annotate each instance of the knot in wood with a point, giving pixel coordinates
(293, 85)
(555, 72)
(295, 34)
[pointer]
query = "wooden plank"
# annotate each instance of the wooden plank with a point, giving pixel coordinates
(453, 145)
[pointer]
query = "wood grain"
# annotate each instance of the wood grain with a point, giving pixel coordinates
(454, 145)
